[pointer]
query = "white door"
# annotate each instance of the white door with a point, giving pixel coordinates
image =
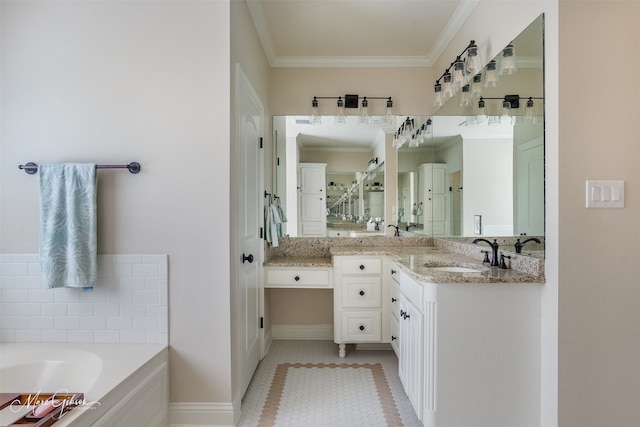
(530, 188)
(250, 289)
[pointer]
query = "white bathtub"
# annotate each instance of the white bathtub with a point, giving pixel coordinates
(123, 384)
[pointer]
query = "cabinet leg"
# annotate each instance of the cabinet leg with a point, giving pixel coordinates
(342, 350)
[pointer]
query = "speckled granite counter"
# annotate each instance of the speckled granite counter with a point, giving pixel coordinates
(412, 255)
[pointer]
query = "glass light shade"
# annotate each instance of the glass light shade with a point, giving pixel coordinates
(508, 63)
(472, 121)
(505, 113)
(314, 117)
(388, 117)
(481, 115)
(407, 129)
(473, 62)
(364, 113)
(339, 118)
(428, 129)
(447, 86)
(491, 74)
(530, 113)
(494, 120)
(438, 101)
(476, 86)
(465, 96)
(458, 76)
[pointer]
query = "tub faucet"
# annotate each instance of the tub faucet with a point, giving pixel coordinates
(494, 250)
(397, 232)
(519, 245)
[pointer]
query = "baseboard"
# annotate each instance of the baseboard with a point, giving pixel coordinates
(302, 332)
(373, 346)
(201, 414)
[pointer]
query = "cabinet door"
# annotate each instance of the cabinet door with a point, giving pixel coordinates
(438, 180)
(411, 354)
(312, 208)
(312, 179)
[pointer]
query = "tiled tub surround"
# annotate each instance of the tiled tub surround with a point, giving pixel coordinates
(411, 253)
(129, 303)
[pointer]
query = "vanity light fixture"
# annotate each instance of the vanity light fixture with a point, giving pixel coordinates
(476, 86)
(449, 83)
(373, 163)
(351, 101)
(465, 96)
(508, 103)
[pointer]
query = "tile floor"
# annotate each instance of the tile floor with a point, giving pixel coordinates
(305, 383)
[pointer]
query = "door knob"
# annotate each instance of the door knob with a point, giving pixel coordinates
(247, 258)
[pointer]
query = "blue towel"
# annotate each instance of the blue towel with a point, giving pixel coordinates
(68, 231)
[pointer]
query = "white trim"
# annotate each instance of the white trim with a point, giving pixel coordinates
(302, 332)
(200, 414)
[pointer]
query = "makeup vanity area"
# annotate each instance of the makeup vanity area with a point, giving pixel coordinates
(467, 334)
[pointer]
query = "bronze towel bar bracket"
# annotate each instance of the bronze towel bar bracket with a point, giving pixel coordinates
(134, 167)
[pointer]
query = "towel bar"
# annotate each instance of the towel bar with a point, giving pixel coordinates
(134, 167)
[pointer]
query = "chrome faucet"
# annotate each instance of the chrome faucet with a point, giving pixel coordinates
(494, 250)
(519, 245)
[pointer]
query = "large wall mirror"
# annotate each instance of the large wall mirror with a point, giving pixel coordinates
(472, 174)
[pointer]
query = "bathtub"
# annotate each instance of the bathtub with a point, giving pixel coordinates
(123, 384)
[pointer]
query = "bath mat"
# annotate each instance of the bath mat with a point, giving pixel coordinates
(329, 394)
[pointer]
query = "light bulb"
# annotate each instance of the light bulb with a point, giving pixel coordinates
(457, 78)
(473, 63)
(505, 113)
(530, 113)
(447, 86)
(438, 101)
(364, 112)
(465, 97)
(476, 86)
(491, 74)
(339, 119)
(508, 63)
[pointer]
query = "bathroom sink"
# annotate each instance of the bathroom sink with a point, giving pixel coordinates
(454, 269)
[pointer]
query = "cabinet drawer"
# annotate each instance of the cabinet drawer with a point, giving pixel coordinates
(362, 326)
(362, 292)
(297, 278)
(362, 266)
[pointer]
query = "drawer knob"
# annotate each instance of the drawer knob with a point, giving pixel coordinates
(402, 313)
(361, 327)
(393, 299)
(393, 271)
(361, 266)
(361, 293)
(297, 278)
(393, 338)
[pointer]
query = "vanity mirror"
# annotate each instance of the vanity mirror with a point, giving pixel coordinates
(492, 176)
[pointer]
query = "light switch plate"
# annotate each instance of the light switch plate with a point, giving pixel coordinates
(605, 194)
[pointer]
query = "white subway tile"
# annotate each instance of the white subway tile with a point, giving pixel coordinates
(25, 258)
(80, 309)
(152, 310)
(163, 321)
(163, 293)
(132, 282)
(133, 337)
(154, 259)
(121, 296)
(106, 283)
(66, 294)
(34, 269)
(7, 309)
(93, 323)
(55, 309)
(14, 269)
(14, 295)
(152, 283)
(30, 309)
(121, 270)
(106, 259)
(15, 322)
(164, 339)
(146, 270)
(5, 258)
(7, 282)
(7, 335)
(40, 322)
(28, 282)
(119, 323)
(106, 337)
(66, 322)
(106, 270)
(95, 296)
(153, 337)
(29, 335)
(41, 295)
(145, 323)
(128, 258)
(133, 310)
(106, 309)
(146, 297)
(75, 335)
(55, 335)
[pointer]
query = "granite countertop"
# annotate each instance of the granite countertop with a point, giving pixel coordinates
(418, 261)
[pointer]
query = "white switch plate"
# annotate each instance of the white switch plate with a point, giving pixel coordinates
(605, 194)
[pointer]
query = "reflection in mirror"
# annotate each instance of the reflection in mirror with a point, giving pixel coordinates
(330, 179)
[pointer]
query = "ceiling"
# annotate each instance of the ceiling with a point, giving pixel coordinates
(351, 33)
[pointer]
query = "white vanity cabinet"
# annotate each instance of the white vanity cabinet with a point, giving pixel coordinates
(299, 277)
(395, 308)
(361, 301)
(469, 353)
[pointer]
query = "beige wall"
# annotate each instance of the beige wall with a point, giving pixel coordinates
(599, 319)
(114, 82)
